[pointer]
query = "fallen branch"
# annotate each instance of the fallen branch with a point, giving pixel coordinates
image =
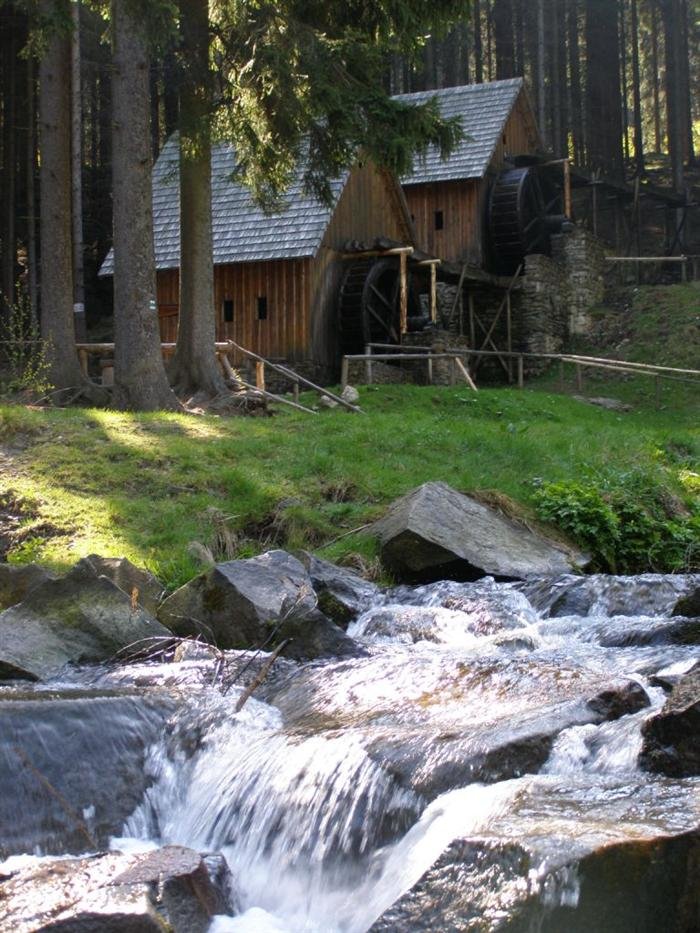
(260, 676)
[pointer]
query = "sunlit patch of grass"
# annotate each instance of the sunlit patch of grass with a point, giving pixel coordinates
(143, 486)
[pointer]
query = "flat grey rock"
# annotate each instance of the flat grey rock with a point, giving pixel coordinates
(435, 532)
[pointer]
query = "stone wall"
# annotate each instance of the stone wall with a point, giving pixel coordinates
(583, 258)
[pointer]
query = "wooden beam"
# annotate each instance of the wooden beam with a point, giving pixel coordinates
(403, 292)
(465, 373)
(433, 292)
(260, 375)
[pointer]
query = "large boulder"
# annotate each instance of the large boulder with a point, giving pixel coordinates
(342, 594)
(672, 737)
(134, 581)
(240, 603)
(73, 763)
(435, 532)
(168, 890)
(688, 605)
(80, 618)
(17, 580)
(477, 886)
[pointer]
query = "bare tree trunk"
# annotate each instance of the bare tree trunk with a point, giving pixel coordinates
(671, 12)
(77, 176)
(478, 50)
(603, 97)
(503, 36)
(541, 79)
(658, 142)
(139, 375)
(685, 81)
(575, 83)
(57, 324)
(8, 233)
(623, 85)
(195, 366)
(637, 93)
(32, 271)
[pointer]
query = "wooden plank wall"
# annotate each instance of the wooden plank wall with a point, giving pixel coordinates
(301, 294)
(459, 202)
(284, 283)
(464, 204)
(372, 205)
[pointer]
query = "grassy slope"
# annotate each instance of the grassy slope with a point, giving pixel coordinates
(142, 485)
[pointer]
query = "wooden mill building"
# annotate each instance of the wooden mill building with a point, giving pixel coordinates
(450, 200)
(277, 276)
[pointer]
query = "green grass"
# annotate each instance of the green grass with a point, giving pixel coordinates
(143, 486)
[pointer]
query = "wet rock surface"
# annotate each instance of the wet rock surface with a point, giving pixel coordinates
(688, 605)
(17, 580)
(75, 762)
(476, 886)
(435, 532)
(342, 594)
(248, 603)
(672, 737)
(167, 890)
(129, 578)
(79, 618)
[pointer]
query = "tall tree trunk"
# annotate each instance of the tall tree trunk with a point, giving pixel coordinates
(8, 233)
(658, 142)
(637, 93)
(478, 49)
(623, 85)
(685, 80)
(140, 380)
(194, 366)
(603, 97)
(155, 110)
(77, 176)
(30, 157)
(170, 93)
(57, 324)
(503, 34)
(541, 75)
(671, 12)
(575, 82)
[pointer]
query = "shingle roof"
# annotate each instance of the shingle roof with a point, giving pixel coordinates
(242, 231)
(484, 109)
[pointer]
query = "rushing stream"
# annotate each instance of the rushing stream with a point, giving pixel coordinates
(337, 787)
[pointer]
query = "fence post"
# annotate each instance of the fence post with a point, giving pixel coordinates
(579, 377)
(368, 364)
(344, 369)
(521, 372)
(260, 376)
(657, 390)
(561, 375)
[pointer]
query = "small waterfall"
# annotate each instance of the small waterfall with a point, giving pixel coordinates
(468, 719)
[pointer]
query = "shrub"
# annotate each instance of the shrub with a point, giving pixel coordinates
(623, 526)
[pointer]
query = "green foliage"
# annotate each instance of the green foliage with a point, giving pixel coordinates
(623, 523)
(308, 78)
(23, 352)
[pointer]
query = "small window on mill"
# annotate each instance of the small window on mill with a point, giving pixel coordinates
(439, 220)
(262, 308)
(227, 309)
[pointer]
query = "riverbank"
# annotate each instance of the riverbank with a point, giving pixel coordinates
(167, 490)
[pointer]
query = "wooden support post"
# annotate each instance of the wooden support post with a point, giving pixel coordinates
(657, 390)
(260, 375)
(83, 357)
(684, 271)
(453, 371)
(567, 188)
(521, 372)
(562, 384)
(465, 373)
(472, 327)
(295, 391)
(368, 364)
(595, 210)
(509, 335)
(344, 370)
(403, 294)
(579, 377)
(433, 292)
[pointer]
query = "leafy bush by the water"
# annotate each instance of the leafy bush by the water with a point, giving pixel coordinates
(625, 526)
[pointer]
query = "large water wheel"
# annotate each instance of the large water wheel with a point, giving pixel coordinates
(369, 307)
(524, 210)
